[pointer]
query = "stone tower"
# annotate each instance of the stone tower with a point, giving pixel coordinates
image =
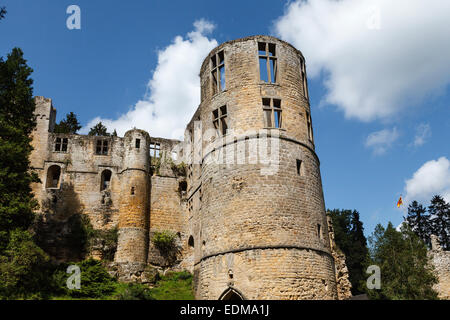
(258, 226)
(134, 205)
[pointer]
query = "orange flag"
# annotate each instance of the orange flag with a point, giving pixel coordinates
(400, 202)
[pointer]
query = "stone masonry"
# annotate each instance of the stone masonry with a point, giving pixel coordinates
(242, 192)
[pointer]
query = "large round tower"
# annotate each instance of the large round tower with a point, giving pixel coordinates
(260, 230)
(133, 209)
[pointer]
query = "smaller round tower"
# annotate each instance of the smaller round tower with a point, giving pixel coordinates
(134, 206)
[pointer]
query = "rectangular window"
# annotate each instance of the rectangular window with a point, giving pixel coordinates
(155, 149)
(102, 147)
(220, 120)
(272, 112)
(218, 72)
(61, 144)
(267, 62)
(138, 143)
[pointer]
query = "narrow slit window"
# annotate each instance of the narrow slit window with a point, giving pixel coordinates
(309, 126)
(132, 190)
(218, 72)
(267, 62)
(304, 79)
(272, 112)
(138, 143)
(319, 231)
(299, 167)
(220, 120)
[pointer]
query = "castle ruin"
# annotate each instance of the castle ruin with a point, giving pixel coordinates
(248, 213)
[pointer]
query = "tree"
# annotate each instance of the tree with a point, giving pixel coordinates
(358, 254)
(2, 13)
(349, 237)
(69, 125)
(419, 221)
(406, 273)
(17, 122)
(439, 212)
(99, 130)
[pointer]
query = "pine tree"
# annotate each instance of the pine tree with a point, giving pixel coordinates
(99, 130)
(69, 125)
(439, 212)
(17, 122)
(349, 237)
(419, 221)
(358, 254)
(406, 273)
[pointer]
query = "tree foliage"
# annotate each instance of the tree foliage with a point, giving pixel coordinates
(99, 130)
(435, 220)
(17, 122)
(349, 237)
(2, 12)
(69, 125)
(406, 273)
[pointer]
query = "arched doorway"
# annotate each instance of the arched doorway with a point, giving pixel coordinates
(53, 175)
(106, 179)
(231, 294)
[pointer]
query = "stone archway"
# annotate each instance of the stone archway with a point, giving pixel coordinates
(231, 294)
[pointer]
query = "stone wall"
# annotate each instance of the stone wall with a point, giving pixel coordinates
(441, 262)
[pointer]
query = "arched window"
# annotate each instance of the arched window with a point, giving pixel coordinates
(53, 175)
(191, 241)
(106, 179)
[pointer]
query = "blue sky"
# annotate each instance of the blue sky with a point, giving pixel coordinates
(379, 91)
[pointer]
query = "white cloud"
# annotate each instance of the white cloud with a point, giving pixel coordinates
(423, 133)
(378, 56)
(432, 178)
(174, 89)
(381, 140)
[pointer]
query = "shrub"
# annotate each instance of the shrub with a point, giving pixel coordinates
(95, 280)
(135, 291)
(24, 267)
(164, 241)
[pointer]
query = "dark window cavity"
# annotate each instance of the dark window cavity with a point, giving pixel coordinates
(61, 144)
(53, 177)
(138, 143)
(102, 147)
(106, 180)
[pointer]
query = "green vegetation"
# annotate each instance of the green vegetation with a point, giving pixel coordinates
(349, 237)
(405, 270)
(69, 125)
(435, 221)
(174, 286)
(99, 130)
(164, 241)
